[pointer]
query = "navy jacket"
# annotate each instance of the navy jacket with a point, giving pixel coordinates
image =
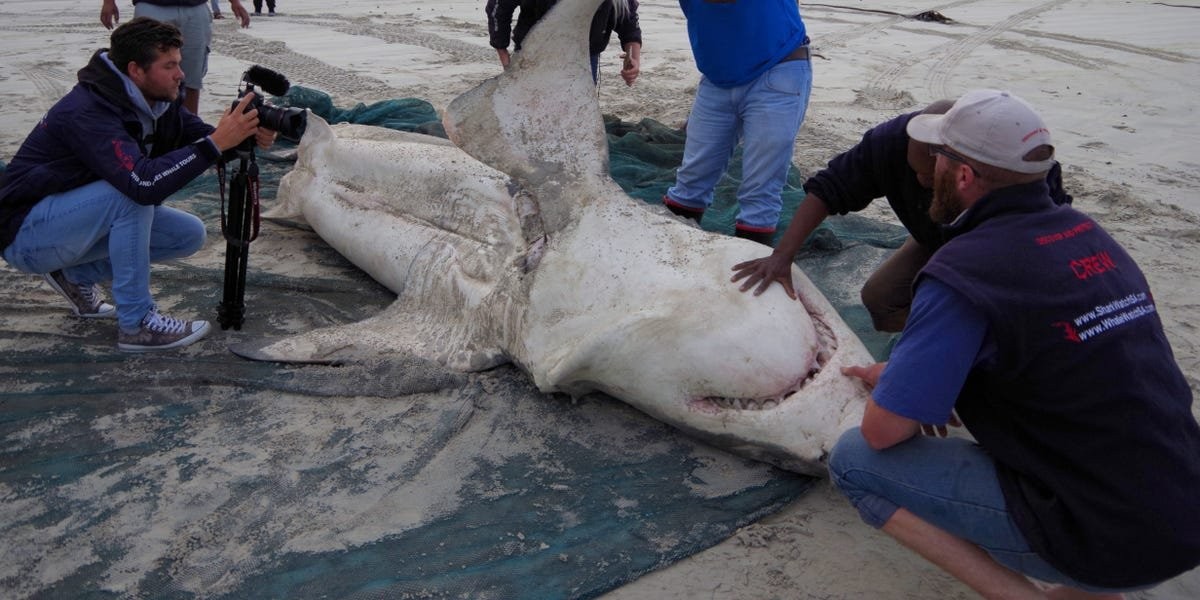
(877, 167)
(1082, 406)
(501, 29)
(94, 133)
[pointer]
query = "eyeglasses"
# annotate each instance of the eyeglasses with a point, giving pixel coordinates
(935, 150)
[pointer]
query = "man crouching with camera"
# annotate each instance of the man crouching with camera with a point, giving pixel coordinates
(81, 203)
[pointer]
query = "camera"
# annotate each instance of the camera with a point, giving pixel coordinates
(288, 122)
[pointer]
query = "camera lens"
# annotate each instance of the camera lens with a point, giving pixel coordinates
(289, 122)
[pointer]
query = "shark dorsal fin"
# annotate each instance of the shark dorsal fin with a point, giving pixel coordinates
(539, 121)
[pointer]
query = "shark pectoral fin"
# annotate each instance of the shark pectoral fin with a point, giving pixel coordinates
(296, 350)
(394, 332)
(290, 222)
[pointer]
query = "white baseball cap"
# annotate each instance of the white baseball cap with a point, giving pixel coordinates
(991, 126)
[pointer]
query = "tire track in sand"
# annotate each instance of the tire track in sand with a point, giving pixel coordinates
(51, 83)
(299, 67)
(956, 52)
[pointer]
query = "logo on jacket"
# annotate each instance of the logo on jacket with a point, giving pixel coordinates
(1068, 331)
(125, 160)
(1091, 266)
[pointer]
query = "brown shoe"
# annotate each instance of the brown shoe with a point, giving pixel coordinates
(160, 332)
(763, 237)
(687, 212)
(217, 15)
(85, 299)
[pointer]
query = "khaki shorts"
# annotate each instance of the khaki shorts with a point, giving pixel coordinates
(195, 23)
(888, 294)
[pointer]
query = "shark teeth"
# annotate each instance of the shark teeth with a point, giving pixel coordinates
(761, 403)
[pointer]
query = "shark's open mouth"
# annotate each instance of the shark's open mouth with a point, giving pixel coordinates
(826, 346)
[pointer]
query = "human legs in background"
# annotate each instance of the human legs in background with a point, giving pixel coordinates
(95, 234)
(712, 134)
(887, 294)
(195, 23)
(216, 9)
(771, 113)
(764, 116)
(942, 499)
(258, 6)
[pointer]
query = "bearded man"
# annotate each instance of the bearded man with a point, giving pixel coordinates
(1038, 332)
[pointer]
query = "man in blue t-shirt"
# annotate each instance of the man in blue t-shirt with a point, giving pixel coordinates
(1036, 329)
(756, 79)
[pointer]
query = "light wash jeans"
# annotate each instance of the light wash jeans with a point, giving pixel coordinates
(216, 6)
(950, 483)
(96, 234)
(764, 115)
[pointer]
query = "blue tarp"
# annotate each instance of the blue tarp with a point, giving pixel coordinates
(197, 474)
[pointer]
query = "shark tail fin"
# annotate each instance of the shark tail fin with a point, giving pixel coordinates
(539, 121)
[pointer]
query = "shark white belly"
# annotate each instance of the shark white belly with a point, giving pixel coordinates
(539, 258)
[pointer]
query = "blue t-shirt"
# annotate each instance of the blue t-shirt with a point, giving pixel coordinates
(735, 41)
(943, 329)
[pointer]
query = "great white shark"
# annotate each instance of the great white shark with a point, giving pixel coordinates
(513, 244)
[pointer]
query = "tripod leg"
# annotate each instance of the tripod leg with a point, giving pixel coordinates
(231, 311)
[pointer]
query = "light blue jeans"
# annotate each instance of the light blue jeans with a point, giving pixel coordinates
(765, 116)
(96, 234)
(950, 483)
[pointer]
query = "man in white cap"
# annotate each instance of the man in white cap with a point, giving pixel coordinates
(1040, 332)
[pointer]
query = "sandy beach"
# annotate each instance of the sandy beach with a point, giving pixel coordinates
(1116, 81)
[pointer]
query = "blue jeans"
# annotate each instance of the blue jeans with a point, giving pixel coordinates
(950, 483)
(96, 234)
(764, 115)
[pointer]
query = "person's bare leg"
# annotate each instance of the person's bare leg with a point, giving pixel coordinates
(191, 100)
(971, 565)
(963, 560)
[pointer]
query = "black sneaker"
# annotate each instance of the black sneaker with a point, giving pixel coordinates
(85, 299)
(160, 332)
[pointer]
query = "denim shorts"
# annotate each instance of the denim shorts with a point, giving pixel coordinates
(950, 483)
(195, 23)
